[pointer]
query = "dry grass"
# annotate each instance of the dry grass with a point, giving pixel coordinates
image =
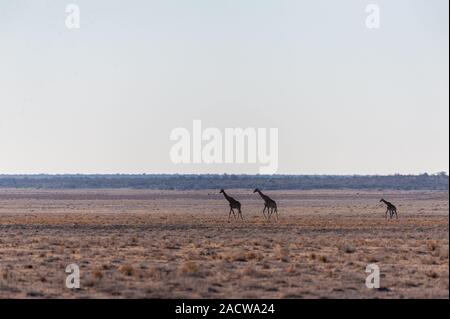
(154, 244)
(127, 270)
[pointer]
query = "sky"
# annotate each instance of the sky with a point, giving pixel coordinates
(104, 98)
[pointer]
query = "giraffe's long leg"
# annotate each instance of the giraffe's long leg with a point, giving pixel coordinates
(387, 210)
(229, 215)
(240, 214)
(234, 215)
(276, 211)
(264, 211)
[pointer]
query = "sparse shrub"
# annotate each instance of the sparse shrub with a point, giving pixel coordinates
(127, 270)
(443, 253)
(432, 274)
(432, 245)
(348, 249)
(237, 256)
(97, 274)
(248, 271)
(373, 259)
(5, 274)
(251, 255)
(189, 267)
(251, 271)
(292, 269)
(323, 259)
(282, 253)
(134, 241)
(265, 266)
(240, 256)
(428, 261)
(154, 272)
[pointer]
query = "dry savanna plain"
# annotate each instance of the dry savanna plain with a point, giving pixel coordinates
(178, 244)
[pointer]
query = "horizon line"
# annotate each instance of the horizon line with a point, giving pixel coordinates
(441, 173)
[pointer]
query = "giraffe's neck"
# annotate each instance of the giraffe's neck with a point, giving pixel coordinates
(226, 196)
(262, 195)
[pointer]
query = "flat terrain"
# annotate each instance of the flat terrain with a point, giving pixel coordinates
(178, 244)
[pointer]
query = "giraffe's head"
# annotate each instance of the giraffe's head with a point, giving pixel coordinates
(222, 191)
(256, 190)
(381, 200)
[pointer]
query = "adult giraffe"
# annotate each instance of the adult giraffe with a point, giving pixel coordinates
(391, 209)
(269, 203)
(234, 204)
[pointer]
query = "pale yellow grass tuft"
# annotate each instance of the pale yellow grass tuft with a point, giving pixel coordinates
(189, 267)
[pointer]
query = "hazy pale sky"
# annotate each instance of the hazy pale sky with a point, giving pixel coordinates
(104, 98)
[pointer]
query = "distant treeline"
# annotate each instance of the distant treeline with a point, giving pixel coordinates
(185, 182)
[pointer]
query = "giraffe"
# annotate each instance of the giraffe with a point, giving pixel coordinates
(391, 209)
(269, 203)
(234, 204)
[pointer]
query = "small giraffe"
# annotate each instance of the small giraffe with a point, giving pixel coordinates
(269, 203)
(391, 209)
(234, 204)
